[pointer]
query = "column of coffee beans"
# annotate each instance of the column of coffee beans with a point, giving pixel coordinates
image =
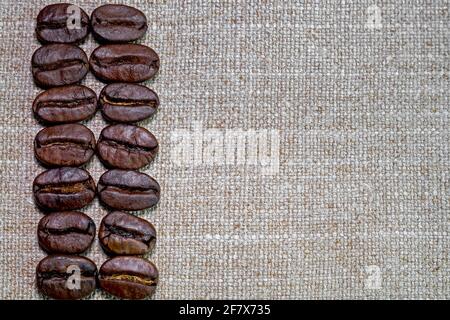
(63, 146)
(123, 147)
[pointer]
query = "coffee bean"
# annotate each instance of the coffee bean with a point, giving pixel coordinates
(64, 145)
(126, 102)
(118, 23)
(65, 104)
(66, 277)
(63, 189)
(128, 190)
(58, 64)
(125, 146)
(124, 63)
(56, 24)
(125, 234)
(128, 277)
(69, 232)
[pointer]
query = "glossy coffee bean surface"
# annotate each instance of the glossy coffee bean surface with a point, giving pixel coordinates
(122, 233)
(63, 189)
(118, 23)
(125, 146)
(55, 276)
(124, 63)
(67, 232)
(56, 65)
(66, 104)
(64, 145)
(127, 102)
(128, 190)
(56, 24)
(128, 277)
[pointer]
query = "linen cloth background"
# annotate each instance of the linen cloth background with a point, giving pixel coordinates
(359, 207)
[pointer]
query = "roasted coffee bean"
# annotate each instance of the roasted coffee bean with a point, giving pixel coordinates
(57, 276)
(63, 189)
(64, 145)
(128, 190)
(128, 277)
(127, 102)
(118, 23)
(58, 64)
(65, 104)
(56, 24)
(124, 63)
(126, 146)
(125, 234)
(69, 232)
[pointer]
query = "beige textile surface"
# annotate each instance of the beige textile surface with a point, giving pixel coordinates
(343, 194)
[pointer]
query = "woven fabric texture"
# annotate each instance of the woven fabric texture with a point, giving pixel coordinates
(304, 149)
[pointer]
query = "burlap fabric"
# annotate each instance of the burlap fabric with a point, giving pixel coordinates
(339, 186)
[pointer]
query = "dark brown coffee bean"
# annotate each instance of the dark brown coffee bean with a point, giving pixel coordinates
(64, 145)
(128, 277)
(125, 234)
(66, 277)
(65, 104)
(128, 190)
(69, 232)
(57, 23)
(126, 146)
(118, 23)
(58, 64)
(63, 189)
(124, 63)
(127, 102)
